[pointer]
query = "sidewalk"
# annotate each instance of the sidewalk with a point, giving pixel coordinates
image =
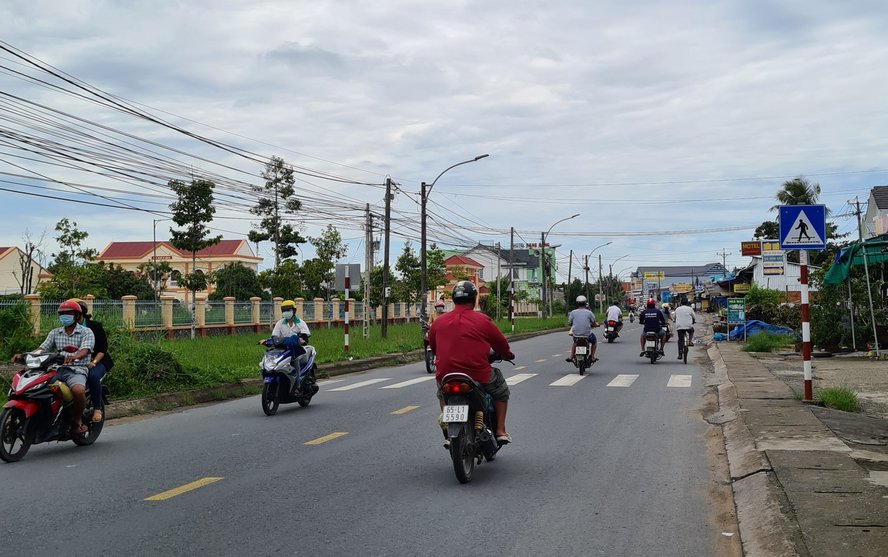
(807, 480)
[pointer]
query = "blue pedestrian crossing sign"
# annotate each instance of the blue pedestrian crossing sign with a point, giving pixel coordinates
(802, 226)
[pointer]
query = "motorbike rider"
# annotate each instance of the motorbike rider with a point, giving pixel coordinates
(290, 325)
(582, 321)
(684, 321)
(653, 321)
(461, 340)
(614, 313)
(439, 310)
(74, 371)
(100, 363)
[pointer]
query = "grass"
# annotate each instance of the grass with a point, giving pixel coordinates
(766, 342)
(841, 398)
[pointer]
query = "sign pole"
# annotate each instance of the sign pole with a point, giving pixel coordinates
(806, 326)
(347, 288)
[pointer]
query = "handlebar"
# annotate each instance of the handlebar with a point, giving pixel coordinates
(493, 357)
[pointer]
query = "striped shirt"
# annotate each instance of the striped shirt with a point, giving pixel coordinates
(80, 337)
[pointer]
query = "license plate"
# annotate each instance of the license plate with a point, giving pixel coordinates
(650, 344)
(456, 414)
(582, 350)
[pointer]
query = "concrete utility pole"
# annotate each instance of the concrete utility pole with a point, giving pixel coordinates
(724, 256)
(385, 264)
(498, 298)
(600, 272)
(541, 311)
(512, 277)
(586, 283)
(368, 266)
(570, 265)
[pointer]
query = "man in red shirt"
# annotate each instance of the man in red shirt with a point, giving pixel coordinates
(462, 340)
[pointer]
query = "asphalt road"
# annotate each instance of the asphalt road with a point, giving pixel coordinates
(595, 469)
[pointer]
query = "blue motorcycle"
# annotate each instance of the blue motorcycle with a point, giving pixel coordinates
(288, 373)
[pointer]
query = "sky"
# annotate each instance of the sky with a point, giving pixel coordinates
(648, 119)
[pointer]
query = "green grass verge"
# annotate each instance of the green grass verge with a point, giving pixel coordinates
(766, 342)
(841, 398)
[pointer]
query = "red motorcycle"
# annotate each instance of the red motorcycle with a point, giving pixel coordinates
(430, 359)
(40, 408)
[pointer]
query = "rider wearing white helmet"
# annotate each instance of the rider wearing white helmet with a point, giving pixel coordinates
(582, 321)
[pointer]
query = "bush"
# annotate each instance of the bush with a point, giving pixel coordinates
(17, 336)
(841, 398)
(142, 368)
(761, 296)
(766, 342)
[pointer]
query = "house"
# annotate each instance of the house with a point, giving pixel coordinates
(460, 267)
(876, 216)
(135, 256)
(789, 282)
(11, 259)
(496, 263)
(650, 281)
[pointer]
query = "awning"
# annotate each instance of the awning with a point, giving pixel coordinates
(876, 250)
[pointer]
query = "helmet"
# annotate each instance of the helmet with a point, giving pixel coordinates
(666, 306)
(288, 304)
(464, 292)
(70, 307)
(651, 303)
(81, 303)
(581, 299)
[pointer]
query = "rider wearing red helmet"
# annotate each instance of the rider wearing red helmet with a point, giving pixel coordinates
(75, 371)
(653, 321)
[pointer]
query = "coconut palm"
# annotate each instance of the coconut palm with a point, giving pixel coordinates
(798, 191)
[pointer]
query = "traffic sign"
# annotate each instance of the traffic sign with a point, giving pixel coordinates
(773, 258)
(654, 275)
(802, 226)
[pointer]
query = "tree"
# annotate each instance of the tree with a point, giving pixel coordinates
(571, 291)
(314, 274)
(329, 249)
(410, 283)
(237, 281)
(157, 273)
(27, 259)
(276, 200)
(798, 191)
(193, 209)
(490, 302)
(70, 240)
(119, 283)
(285, 281)
(768, 230)
(436, 271)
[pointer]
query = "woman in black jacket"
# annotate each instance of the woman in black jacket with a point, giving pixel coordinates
(100, 363)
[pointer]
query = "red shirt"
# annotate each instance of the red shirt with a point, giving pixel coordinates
(462, 339)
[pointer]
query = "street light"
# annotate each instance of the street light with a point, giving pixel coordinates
(586, 268)
(610, 270)
(542, 269)
(424, 193)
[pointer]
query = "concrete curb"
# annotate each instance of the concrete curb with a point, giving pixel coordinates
(252, 385)
(762, 510)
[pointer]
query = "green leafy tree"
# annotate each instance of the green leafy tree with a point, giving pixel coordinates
(410, 281)
(237, 281)
(119, 283)
(571, 291)
(284, 281)
(157, 274)
(490, 302)
(72, 251)
(435, 268)
(768, 230)
(376, 288)
(329, 249)
(193, 210)
(798, 191)
(314, 274)
(276, 201)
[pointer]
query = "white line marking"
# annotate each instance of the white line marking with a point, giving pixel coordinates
(409, 382)
(557, 355)
(519, 368)
(679, 381)
(361, 384)
(540, 361)
(329, 382)
(568, 380)
(623, 381)
(515, 379)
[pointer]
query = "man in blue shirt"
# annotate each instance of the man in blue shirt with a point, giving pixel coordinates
(653, 321)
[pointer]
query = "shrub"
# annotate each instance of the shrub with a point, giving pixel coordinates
(17, 333)
(144, 367)
(766, 342)
(760, 296)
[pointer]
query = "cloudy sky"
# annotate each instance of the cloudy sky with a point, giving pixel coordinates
(646, 118)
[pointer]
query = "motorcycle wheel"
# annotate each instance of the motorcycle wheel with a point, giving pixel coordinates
(610, 339)
(15, 438)
(430, 361)
(462, 457)
(581, 363)
(271, 398)
(653, 357)
(94, 430)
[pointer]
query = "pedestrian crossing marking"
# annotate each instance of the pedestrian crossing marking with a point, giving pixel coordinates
(409, 382)
(519, 368)
(540, 361)
(679, 381)
(361, 384)
(568, 380)
(515, 379)
(622, 381)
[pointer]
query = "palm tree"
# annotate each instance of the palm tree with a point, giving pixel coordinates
(798, 191)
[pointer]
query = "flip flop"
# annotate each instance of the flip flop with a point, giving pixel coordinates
(503, 439)
(100, 414)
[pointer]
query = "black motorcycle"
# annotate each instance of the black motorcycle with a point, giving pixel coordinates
(429, 354)
(652, 346)
(470, 420)
(582, 359)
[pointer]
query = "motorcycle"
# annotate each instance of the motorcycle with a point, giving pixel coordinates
(610, 331)
(632, 317)
(40, 408)
(470, 421)
(652, 346)
(429, 354)
(581, 354)
(286, 376)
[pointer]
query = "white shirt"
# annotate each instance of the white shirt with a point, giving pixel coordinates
(684, 317)
(283, 329)
(614, 313)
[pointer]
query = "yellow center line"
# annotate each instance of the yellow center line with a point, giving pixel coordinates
(404, 410)
(326, 438)
(183, 489)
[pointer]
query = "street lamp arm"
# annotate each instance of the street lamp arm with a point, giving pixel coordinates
(596, 247)
(479, 157)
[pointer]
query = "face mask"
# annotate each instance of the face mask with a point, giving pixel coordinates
(287, 314)
(66, 320)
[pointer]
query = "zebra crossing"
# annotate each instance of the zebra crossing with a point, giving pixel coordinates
(566, 380)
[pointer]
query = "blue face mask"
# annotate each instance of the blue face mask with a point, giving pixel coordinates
(287, 314)
(66, 320)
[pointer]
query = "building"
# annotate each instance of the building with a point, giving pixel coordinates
(11, 282)
(664, 277)
(136, 256)
(790, 282)
(460, 267)
(496, 263)
(875, 221)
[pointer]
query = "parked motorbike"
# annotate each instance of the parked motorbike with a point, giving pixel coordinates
(582, 359)
(288, 374)
(40, 408)
(470, 421)
(651, 346)
(610, 331)
(429, 354)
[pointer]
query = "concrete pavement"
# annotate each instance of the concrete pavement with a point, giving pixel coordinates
(807, 481)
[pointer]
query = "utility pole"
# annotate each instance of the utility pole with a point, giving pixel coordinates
(385, 263)
(368, 266)
(600, 272)
(569, 269)
(512, 277)
(586, 283)
(498, 280)
(724, 256)
(423, 199)
(541, 309)
(859, 221)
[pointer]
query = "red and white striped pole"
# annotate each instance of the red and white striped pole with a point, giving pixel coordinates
(806, 326)
(347, 288)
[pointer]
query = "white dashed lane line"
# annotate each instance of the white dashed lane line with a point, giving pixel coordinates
(409, 382)
(680, 381)
(515, 379)
(359, 385)
(623, 381)
(568, 380)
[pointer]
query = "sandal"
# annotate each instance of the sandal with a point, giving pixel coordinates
(503, 439)
(97, 416)
(80, 431)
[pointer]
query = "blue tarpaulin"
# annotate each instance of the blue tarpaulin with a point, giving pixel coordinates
(754, 326)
